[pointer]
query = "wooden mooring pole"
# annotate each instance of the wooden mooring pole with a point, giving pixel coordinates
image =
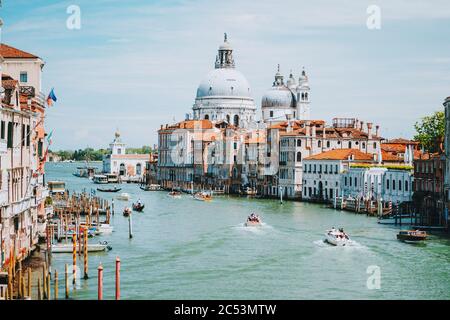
(100, 282)
(117, 278)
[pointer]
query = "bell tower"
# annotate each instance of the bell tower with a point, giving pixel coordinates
(303, 97)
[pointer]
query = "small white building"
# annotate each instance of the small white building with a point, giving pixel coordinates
(123, 164)
(378, 182)
(322, 173)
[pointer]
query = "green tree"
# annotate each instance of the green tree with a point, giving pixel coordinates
(430, 131)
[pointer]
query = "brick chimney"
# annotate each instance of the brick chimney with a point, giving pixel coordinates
(377, 130)
(369, 130)
(362, 126)
(308, 128)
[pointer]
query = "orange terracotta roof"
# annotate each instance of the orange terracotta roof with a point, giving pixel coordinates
(14, 53)
(342, 154)
(402, 141)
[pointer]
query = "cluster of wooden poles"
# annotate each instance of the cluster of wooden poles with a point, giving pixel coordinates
(20, 281)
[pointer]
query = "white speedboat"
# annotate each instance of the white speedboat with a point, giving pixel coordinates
(253, 221)
(123, 196)
(68, 247)
(202, 196)
(337, 237)
(105, 229)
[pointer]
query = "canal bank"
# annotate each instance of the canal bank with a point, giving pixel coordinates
(186, 249)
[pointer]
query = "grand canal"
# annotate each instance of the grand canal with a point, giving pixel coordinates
(186, 249)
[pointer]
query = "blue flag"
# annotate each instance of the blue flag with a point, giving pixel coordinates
(51, 97)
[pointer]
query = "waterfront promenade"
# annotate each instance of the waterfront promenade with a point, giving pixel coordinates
(186, 249)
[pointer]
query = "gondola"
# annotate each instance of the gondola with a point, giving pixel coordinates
(109, 190)
(126, 212)
(138, 207)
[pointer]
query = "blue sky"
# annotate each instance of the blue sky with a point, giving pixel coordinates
(134, 65)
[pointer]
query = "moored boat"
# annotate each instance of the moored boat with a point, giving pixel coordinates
(337, 237)
(412, 235)
(151, 187)
(68, 247)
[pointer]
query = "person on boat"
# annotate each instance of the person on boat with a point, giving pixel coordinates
(139, 203)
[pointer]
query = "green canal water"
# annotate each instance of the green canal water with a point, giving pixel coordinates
(187, 249)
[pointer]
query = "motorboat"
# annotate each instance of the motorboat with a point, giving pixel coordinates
(56, 187)
(115, 189)
(151, 187)
(126, 212)
(175, 194)
(253, 220)
(138, 207)
(92, 247)
(202, 196)
(112, 178)
(413, 236)
(337, 237)
(123, 196)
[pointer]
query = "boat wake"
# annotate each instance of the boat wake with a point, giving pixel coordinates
(351, 244)
(256, 229)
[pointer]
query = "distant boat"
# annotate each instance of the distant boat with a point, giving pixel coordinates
(100, 179)
(413, 236)
(138, 207)
(68, 247)
(202, 196)
(115, 189)
(337, 237)
(123, 196)
(253, 221)
(152, 187)
(126, 212)
(175, 194)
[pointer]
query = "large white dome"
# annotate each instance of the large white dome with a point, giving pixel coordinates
(278, 97)
(224, 82)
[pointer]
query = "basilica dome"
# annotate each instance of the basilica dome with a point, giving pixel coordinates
(278, 97)
(224, 82)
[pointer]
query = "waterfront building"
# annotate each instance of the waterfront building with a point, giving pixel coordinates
(290, 100)
(447, 159)
(129, 167)
(224, 94)
(22, 156)
(322, 173)
(429, 196)
(291, 141)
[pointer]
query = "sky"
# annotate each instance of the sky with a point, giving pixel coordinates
(135, 65)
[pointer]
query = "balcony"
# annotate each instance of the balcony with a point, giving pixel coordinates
(3, 146)
(28, 91)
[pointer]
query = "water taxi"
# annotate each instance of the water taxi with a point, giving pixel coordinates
(123, 196)
(412, 235)
(112, 178)
(202, 196)
(337, 237)
(253, 220)
(100, 179)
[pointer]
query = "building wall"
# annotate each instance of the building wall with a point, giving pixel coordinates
(322, 179)
(33, 68)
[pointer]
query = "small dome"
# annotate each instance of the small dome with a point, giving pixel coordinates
(278, 97)
(224, 82)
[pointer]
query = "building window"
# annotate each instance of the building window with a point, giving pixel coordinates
(236, 120)
(138, 169)
(393, 184)
(328, 144)
(119, 151)
(400, 185)
(299, 143)
(299, 156)
(28, 135)
(356, 181)
(387, 184)
(10, 135)
(228, 118)
(349, 144)
(2, 130)
(406, 186)
(345, 181)
(319, 143)
(206, 117)
(374, 145)
(24, 77)
(271, 113)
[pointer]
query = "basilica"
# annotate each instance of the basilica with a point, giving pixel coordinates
(226, 145)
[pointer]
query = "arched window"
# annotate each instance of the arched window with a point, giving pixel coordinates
(349, 144)
(206, 117)
(303, 96)
(299, 156)
(299, 142)
(306, 96)
(319, 143)
(328, 144)
(138, 169)
(228, 118)
(236, 120)
(122, 170)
